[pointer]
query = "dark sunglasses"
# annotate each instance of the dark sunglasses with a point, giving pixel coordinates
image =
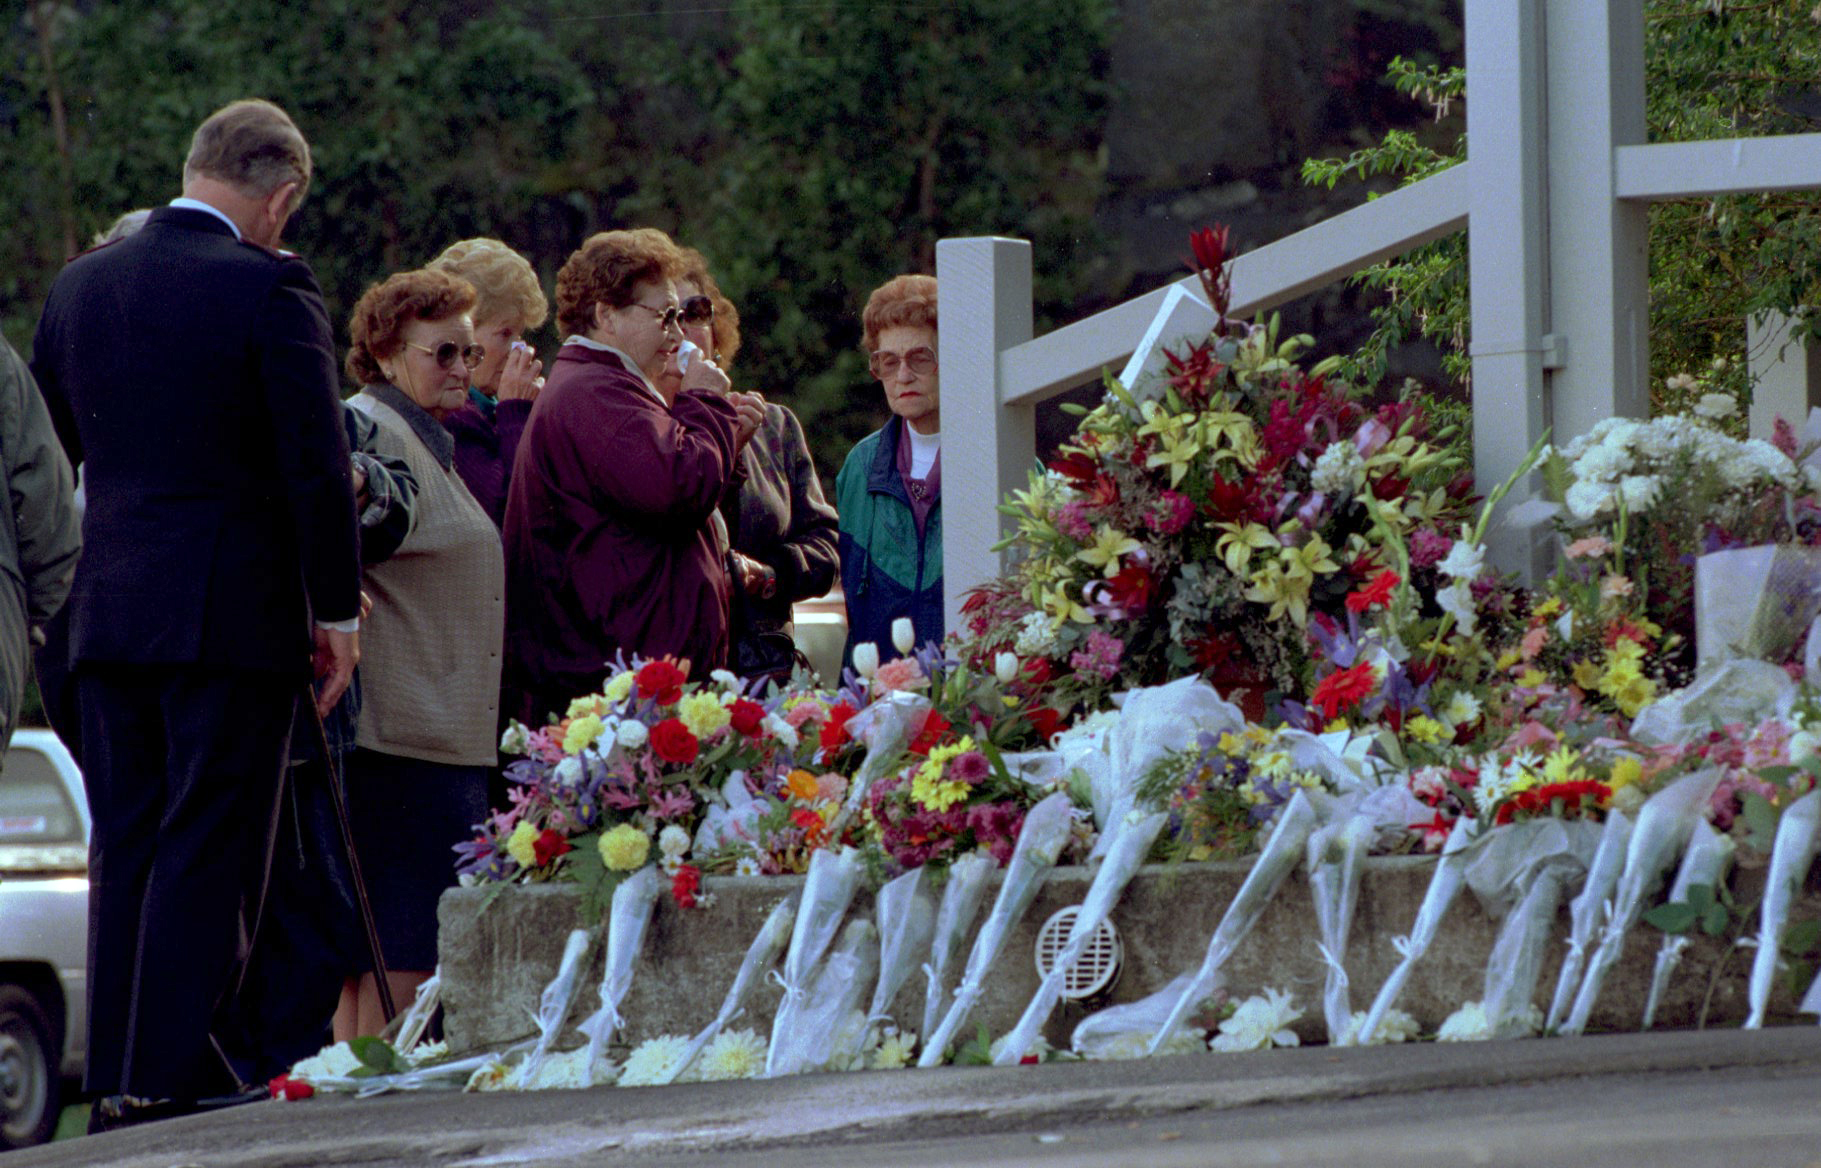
(698, 310)
(446, 353)
(885, 365)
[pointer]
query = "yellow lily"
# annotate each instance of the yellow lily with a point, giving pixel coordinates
(1108, 546)
(1240, 541)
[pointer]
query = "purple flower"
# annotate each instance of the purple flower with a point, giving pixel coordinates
(970, 768)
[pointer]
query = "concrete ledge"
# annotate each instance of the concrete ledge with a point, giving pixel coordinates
(496, 961)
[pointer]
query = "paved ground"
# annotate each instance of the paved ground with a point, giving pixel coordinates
(1660, 1099)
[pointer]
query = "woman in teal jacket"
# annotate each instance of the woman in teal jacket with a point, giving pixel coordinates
(889, 491)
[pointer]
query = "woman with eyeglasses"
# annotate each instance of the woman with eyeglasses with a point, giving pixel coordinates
(614, 542)
(782, 529)
(430, 662)
(506, 382)
(889, 491)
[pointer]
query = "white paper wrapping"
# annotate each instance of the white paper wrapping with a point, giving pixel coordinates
(553, 1006)
(907, 923)
(773, 936)
(1444, 886)
(962, 896)
(827, 891)
(1337, 855)
(628, 918)
(1790, 857)
(1708, 856)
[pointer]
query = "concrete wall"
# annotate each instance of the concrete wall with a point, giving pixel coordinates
(496, 962)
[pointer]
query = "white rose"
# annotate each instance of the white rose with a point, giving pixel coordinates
(866, 659)
(904, 637)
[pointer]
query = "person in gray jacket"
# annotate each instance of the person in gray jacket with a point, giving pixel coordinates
(40, 535)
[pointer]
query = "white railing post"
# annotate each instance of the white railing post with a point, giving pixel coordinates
(1508, 261)
(984, 291)
(1599, 287)
(1785, 373)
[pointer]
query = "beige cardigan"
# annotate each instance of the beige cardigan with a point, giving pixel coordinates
(430, 649)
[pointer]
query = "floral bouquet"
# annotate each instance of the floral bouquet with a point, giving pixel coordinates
(1197, 525)
(627, 778)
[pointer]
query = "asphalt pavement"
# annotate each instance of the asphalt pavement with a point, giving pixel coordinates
(1660, 1099)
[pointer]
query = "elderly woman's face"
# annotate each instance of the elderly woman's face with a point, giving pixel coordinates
(905, 363)
(496, 335)
(431, 363)
(647, 330)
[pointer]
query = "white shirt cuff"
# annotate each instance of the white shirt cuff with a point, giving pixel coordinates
(351, 625)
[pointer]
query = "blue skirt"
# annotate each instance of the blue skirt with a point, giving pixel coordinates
(408, 815)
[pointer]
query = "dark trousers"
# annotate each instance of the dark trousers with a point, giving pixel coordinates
(182, 764)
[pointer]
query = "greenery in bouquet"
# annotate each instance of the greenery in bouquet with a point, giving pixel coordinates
(1663, 491)
(1199, 523)
(628, 776)
(1223, 792)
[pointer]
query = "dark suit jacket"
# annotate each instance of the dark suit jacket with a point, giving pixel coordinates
(194, 377)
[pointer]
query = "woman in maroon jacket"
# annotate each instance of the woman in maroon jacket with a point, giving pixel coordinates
(613, 542)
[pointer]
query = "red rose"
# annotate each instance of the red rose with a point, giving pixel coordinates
(662, 680)
(289, 1089)
(549, 845)
(748, 717)
(672, 742)
(684, 885)
(834, 730)
(1044, 721)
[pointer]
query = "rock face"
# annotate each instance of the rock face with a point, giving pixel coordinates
(498, 956)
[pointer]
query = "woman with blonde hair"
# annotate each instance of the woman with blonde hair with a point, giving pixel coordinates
(509, 303)
(611, 528)
(417, 778)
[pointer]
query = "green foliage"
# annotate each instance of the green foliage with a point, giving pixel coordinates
(1712, 71)
(1703, 908)
(377, 1057)
(811, 151)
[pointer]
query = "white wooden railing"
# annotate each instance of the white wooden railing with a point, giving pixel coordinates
(1554, 200)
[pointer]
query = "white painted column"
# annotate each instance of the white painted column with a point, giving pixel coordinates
(1785, 373)
(984, 294)
(1598, 243)
(1508, 257)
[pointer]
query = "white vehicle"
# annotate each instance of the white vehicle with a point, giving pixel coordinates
(44, 901)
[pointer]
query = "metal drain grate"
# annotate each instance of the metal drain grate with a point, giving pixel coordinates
(1100, 958)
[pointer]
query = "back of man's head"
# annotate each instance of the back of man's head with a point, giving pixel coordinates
(252, 146)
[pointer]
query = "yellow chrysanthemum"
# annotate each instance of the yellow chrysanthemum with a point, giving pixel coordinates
(702, 713)
(1635, 694)
(521, 845)
(1563, 766)
(624, 848)
(1426, 730)
(929, 788)
(1626, 771)
(582, 732)
(1587, 675)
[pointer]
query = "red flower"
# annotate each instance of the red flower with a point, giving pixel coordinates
(672, 742)
(834, 730)
(1038, 671)
(934, 727)
(1132, 589)
(1343, 689)
(1378, 592)
(549, 845)
(289, 1089)
(1573, 796)
(748, 717)
(1210, 263)
(815, 832)
(1193, 376)
(1078, 467)
(662, 680)
(1045, 722)
(685, 884)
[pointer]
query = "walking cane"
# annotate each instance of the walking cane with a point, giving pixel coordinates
(339, 797)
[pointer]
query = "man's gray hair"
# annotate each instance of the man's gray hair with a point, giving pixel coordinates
(254, 147)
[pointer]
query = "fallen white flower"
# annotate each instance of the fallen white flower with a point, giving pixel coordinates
(654, 1060)
(331, 1062)
(734, 1054)
(896, 1049)
(1467, 1024)
(1397, 1026)
(1259, 1023)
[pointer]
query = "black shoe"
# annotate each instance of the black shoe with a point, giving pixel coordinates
(117, 1112)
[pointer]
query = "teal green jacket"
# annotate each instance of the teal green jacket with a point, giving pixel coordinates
(887, 569)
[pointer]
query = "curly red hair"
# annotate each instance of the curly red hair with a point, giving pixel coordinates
(385, 310)
(900, 302)
(726, 317)
(606, 269)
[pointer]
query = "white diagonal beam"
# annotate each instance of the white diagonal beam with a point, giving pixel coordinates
(1726, 166)
(1279, 271)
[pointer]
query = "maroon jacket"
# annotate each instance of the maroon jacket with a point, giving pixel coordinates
(609, 547)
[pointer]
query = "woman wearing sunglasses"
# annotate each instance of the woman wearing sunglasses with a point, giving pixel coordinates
(430, 662)
(782, 530)
(889, 491)
(502, 387)
(613, 537)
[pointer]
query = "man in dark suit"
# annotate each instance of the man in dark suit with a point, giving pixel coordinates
(190, 369)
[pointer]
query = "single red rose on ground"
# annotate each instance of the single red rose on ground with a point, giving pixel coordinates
(290, 1090)
(834, 730)
(549, 845)
(748, 717)
(672, 742)
(662, 680)
(1377, 592)
(685, 884)
(1343, 689)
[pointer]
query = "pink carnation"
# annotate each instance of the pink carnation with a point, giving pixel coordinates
(810, 711)
(970, 768)
(902, 674)
(1100, 657)
(1072, 520)
(1171, 513)
(1428, 547)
